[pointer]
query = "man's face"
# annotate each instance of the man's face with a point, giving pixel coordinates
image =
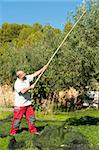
(22, 75)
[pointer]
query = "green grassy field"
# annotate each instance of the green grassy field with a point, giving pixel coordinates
(80, 124)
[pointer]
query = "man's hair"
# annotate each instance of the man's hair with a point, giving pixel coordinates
(19, 72)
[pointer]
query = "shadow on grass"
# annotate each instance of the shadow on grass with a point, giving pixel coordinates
(14, 145)
(52, 138)
(61, 138)
(86, 120)
(40, 128)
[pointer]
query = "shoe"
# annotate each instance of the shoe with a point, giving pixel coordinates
(12, 134)
(34, 130)
(37, 133)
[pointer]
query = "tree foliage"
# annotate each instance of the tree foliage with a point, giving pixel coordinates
(29, 47)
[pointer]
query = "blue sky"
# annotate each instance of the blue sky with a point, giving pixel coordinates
(53, 12)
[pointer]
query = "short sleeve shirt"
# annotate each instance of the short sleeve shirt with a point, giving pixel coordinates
(22, 99)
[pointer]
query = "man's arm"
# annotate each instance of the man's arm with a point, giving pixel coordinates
(24, 90)
(39, 71)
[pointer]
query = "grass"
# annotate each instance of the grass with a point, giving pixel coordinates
(89, 131)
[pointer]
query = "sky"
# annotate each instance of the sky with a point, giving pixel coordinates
(53, 12)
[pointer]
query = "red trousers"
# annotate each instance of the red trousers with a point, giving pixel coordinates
(18, 115)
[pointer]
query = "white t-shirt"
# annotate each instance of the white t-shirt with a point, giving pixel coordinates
(22, 99)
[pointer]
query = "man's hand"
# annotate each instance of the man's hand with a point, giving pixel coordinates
(32, 86)
(44, 68)
(40, 71)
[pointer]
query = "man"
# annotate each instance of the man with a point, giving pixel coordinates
(23, 101)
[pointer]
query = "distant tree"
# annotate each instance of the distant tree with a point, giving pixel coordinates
(9, 32)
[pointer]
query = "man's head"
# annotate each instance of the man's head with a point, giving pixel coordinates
(21, 75)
